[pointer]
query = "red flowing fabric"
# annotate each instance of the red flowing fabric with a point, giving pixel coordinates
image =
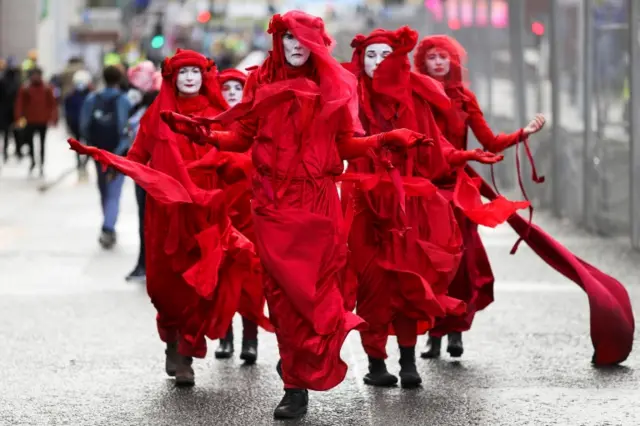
(293, 117)
(612, 320)
(193, 248)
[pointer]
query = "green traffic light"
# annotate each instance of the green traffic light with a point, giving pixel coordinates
(157, 42)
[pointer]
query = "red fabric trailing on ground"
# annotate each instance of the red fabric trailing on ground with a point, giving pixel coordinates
(612, 319)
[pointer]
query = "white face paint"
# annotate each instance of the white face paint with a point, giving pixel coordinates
(438, 62)
(374, 54)
(295, 53)
(189, 81)
(232, 92)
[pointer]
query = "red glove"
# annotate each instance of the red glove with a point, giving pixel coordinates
(188, 126)
(459, 158)
(402, 139)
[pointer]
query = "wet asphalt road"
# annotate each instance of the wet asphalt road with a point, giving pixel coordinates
(79, 344)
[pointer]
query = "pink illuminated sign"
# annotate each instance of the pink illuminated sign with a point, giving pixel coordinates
(459, 13)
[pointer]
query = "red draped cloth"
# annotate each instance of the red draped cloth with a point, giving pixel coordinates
(612, 320)
(293, 117)
(195, 258)
(405, 252)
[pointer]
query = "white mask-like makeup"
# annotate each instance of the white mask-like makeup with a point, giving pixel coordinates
(374, 55)
(295, 53)
(232, 92)
(189, 81)
(438, 62)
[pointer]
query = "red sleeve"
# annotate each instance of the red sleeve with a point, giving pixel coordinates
(138, 151)
(482, 131)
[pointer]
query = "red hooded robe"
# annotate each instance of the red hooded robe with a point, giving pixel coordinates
(405, 252)
(294, 119)
(196, 259)
(612, 320)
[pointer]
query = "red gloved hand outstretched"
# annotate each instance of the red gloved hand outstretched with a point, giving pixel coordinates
(403, 139)
(186, 125)
(459, 158)
(485, 157)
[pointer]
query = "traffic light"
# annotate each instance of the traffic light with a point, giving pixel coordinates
(157, 41)
(537, 28)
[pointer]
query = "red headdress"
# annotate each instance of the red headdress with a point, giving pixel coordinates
(393, 81)
(167, 98)
(457, 73)
(231, 74)
(337, 86)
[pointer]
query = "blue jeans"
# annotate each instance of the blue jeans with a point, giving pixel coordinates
(110, 191)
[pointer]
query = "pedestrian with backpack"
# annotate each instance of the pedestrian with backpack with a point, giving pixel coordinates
(103, 119)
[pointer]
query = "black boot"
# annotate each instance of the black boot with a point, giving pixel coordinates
(225, 350)
(293, 404)
(409, 377)
(279, 368)
(454, 345)
(434, 344)
(249, 352)
(171, 359)
(378, 374)
(185, 375)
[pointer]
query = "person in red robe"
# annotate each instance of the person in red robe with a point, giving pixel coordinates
(196, 261)
(299, 115)
(405, 251)
(438, 57)
(238, 197)
(612, 324)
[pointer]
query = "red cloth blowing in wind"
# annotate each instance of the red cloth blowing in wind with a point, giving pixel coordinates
(195, 258)
(294, 118)
(612, 320)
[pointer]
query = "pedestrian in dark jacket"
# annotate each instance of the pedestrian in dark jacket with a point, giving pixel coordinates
(9, 86)
(37, 107)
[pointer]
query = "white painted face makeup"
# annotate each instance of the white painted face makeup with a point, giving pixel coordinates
(374, 54)
(189, 81)
(438, 62)
(295, 53)
(232, 92)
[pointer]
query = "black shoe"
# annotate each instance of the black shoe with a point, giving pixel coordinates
(293, 404)
(249, 352)
(434, 345)
(107, 239)
(225, 350)
(454, 345)
(378, 374)
(138, 274)
(409, 377)
(279, 368)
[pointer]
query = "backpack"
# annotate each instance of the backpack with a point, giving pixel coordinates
(104, 131)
